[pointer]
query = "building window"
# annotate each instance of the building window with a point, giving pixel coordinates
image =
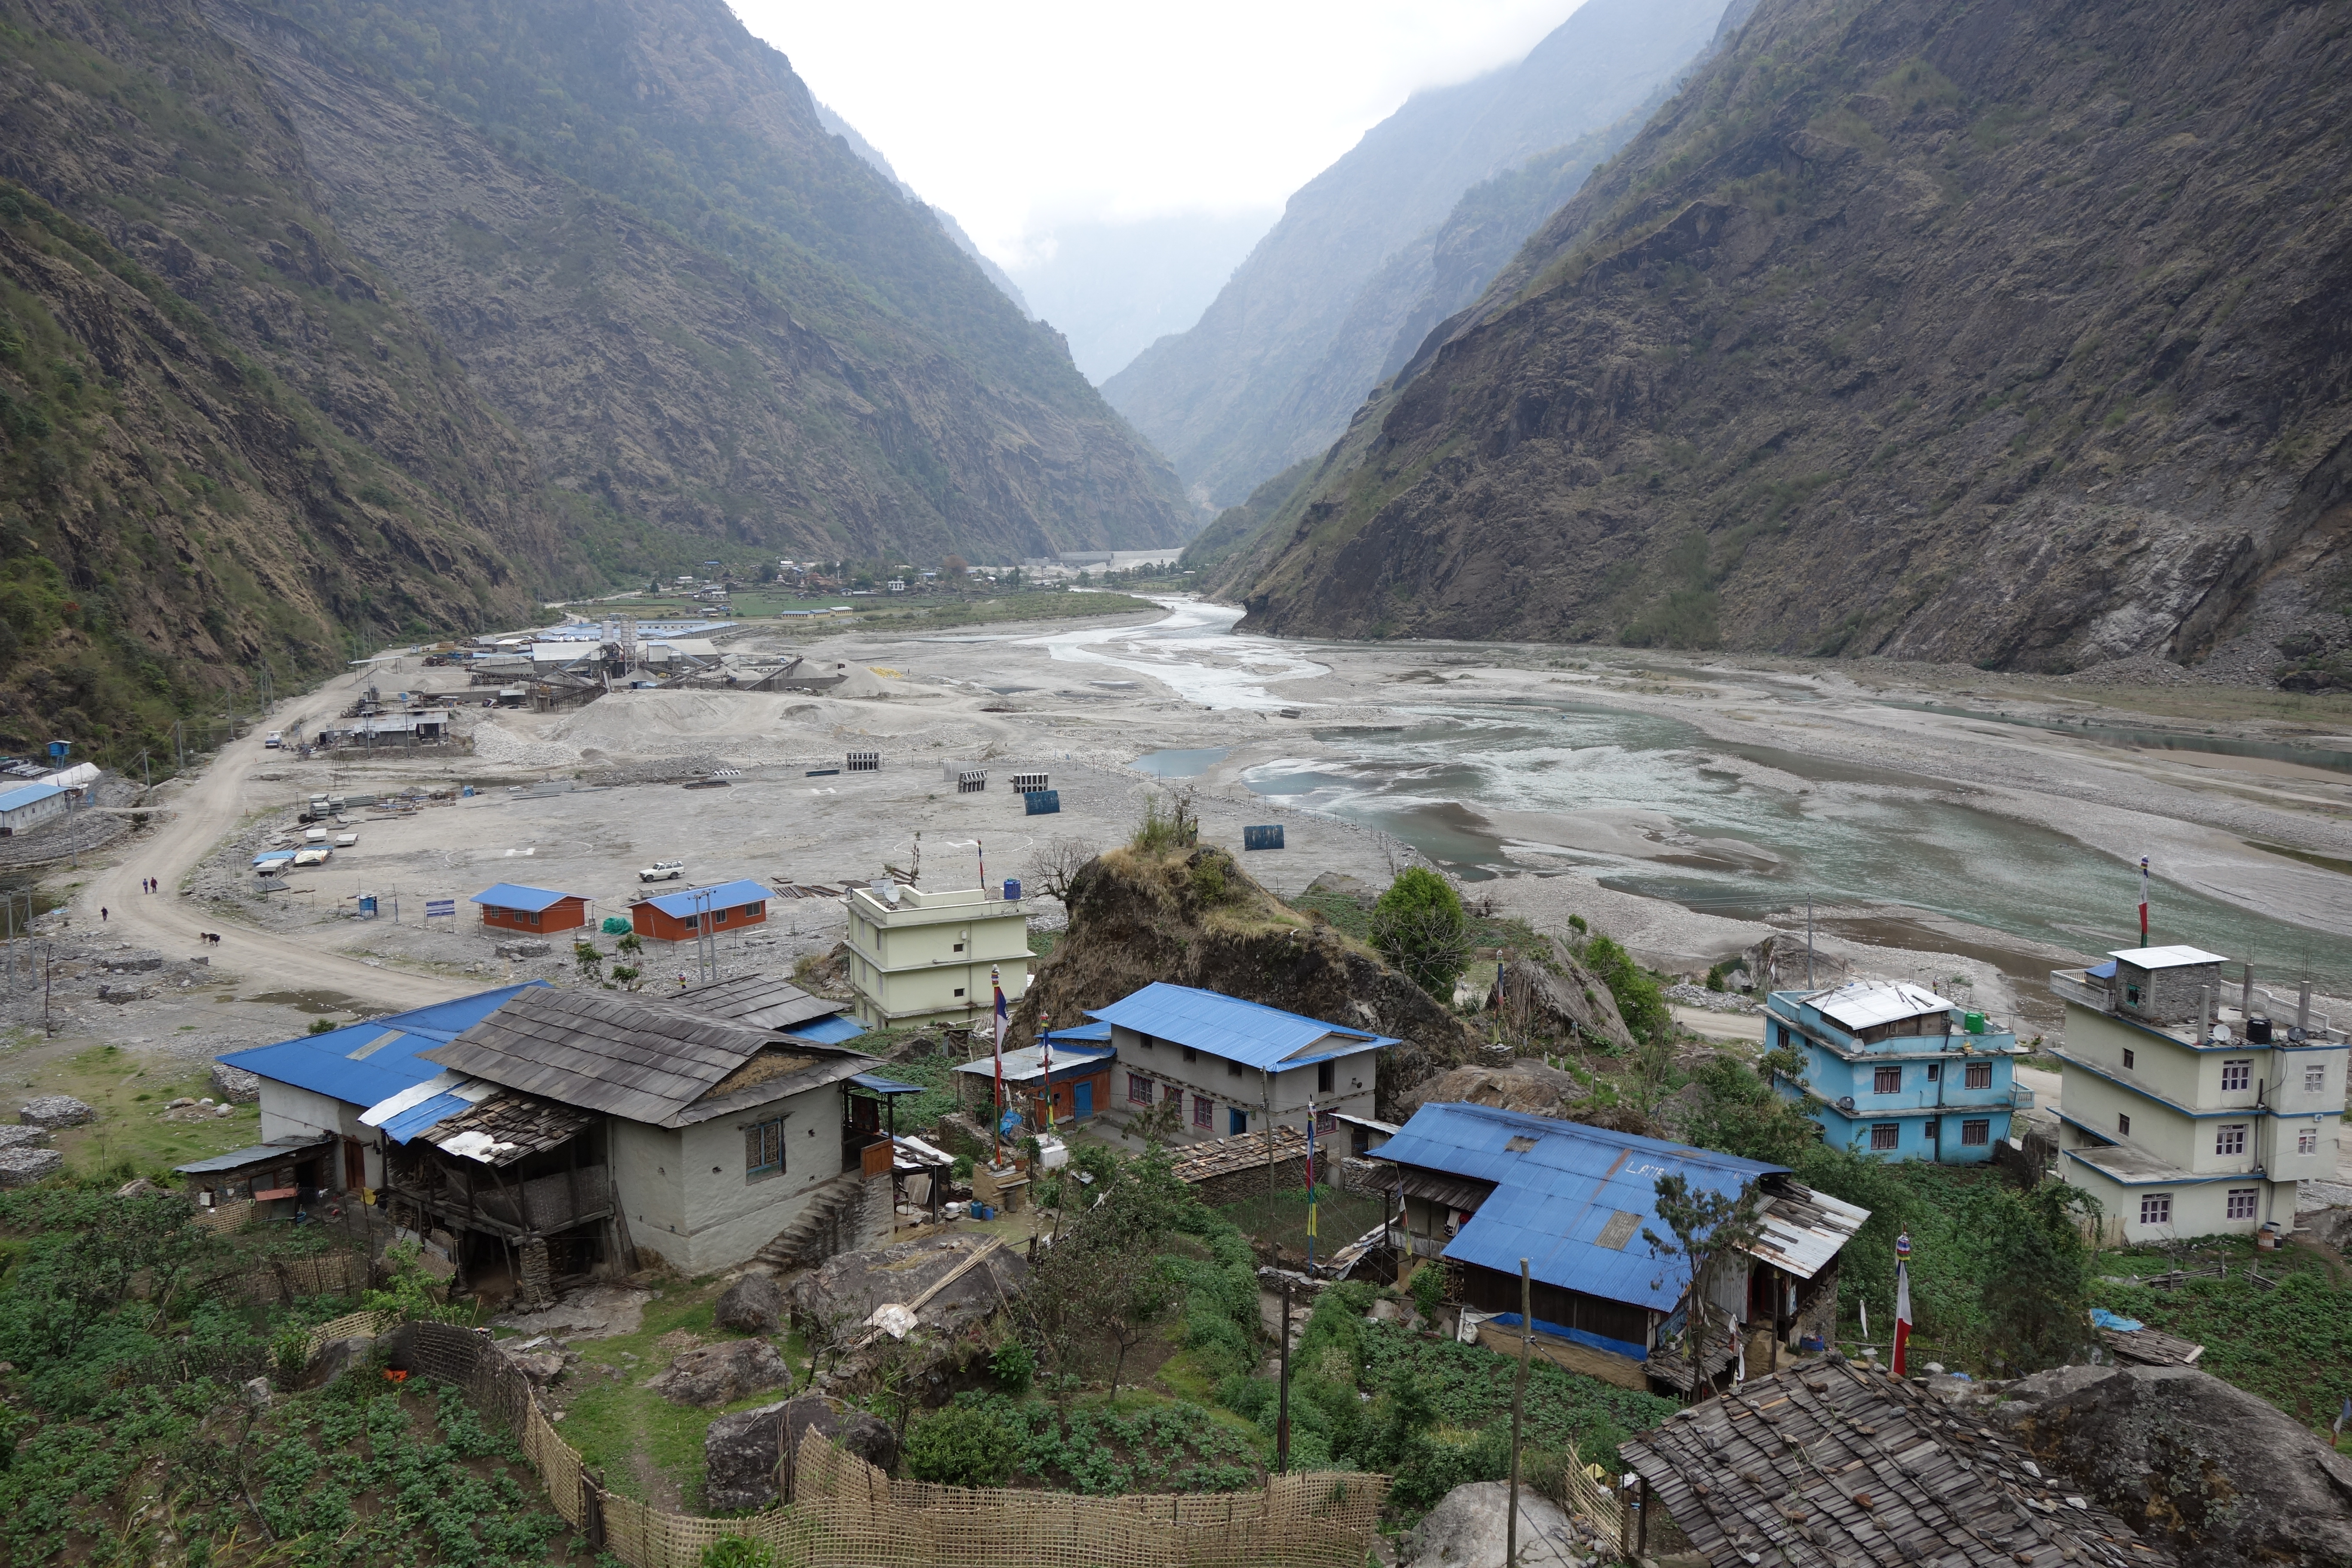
(959, 948)
(753, 912)
(1204, 1112)
(2131, 1058)
(2307, 1140)
(2123, 1123)
(719, 919)
(2236, 1075)
(1931, 1127)
(763, 1150)
(958, 991)
(534, 917)
(1886, 1080)
(1191, 1055)
(1979, 1075)
(2156, 1208)
(1139, 1090)
(1326, 1123)
(1233, 1068)
(2241, 1203)
(2314, 1080)
(2231, 1140)
(1932, 1070)
(1885, 1134)
(1327, 1077)
(1976, 1133)
(1170, 1091)
(1237, 1121)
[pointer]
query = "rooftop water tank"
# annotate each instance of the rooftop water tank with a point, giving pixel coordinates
(1973, 1023)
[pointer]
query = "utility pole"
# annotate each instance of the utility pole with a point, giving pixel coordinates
(1518, 1398)
(1809, 942)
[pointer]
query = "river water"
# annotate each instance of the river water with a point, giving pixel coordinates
(1733, 829)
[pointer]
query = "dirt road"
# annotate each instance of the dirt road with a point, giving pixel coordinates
(208, 810)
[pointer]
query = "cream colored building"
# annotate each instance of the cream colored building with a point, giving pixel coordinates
(2187, 1114)
(923, 955)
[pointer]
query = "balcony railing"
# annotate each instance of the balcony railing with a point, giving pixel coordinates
(2067, 988)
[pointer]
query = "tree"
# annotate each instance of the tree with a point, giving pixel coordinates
(954, 567)
(1132, 1294)
(1058, 864)
(767, 570)
(1418, 926)
(1707, 1228)
(591, 962)
(2037, 1286)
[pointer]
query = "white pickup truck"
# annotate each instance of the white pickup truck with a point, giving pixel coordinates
(663, 871)
(275, 741)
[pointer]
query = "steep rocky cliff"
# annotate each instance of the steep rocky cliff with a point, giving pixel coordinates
(1198, 918)
(2001, 332)
(1307, 323)
(222, 440)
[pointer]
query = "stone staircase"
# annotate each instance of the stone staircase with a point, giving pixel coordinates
(840, 1216)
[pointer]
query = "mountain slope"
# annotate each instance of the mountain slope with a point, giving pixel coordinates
(1980, 331)
(1248, 389)
(705, 310)
(872, 154)
(222, 442)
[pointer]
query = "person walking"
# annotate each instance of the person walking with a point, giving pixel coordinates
(102, 914)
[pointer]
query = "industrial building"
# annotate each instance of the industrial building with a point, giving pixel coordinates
(925, 953)
(2187, 1115)
(511, 907)
(28, 805)
(1232, 1063)
(1898, 1072)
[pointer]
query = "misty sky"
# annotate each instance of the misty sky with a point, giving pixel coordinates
(1018, 115)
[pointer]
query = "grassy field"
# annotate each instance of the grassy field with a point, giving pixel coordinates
(130, 1092)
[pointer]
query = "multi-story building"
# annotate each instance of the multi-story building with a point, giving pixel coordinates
(1897, 1072)
(2185, 1115)
(1231, 1065)
(924, 953)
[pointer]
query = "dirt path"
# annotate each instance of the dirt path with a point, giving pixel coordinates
(214, 803)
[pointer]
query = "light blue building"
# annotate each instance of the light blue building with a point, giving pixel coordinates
(1897, 1072)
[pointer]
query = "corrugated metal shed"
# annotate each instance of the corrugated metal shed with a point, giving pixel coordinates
(1069, 1059)
(1557, 1186)
(633, 1056)
(27, 795)
(515, 896)
(259, 1154)
(2171, 957)
(365, 1064)
(1804, 1229)
(757, 1000)
(682, 906)
(1864, 1003)
(1247, 1032)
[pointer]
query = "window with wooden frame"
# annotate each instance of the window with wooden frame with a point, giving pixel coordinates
(1978, 1076)
(1886, 1080)
(2242, 1201)
(1885, 1135)
(1976, 1133)
(2156, 1208)
(763, 1150)
(1204, 1111)
(1139, 1090)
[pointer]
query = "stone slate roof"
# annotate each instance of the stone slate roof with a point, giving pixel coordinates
(1832, 1466)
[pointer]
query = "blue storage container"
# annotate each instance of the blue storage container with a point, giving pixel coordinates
(1011, 889)
(1043, 802)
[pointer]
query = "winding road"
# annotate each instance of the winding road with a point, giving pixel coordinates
(213, 804)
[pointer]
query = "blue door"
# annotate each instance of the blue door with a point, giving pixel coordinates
(1237, 1120)
(1082, 1101)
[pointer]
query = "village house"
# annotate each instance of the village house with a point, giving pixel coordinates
(1480, 1188)
(924, 954)
(530, 1136)
(692, 912)
(2193, 1107)
(535, 911)
(1081, 1074)
(1896, 1071)
(1231, 1065)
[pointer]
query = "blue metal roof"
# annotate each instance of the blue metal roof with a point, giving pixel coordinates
(681, 906)
(1553, 1197)
(1245, 1032)
(830, 1030)
(515, 896)
(1083, 1035)
(875, 1083)
(27, 795)
(362, 1064)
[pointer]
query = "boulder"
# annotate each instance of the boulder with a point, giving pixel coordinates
(23, 1167)
(1470, 1524)
(740, 1452)
(55, 1111)
(1523, 1085)
(753, 1305)
(333, 1359)
(23, 1138)
(2207, 1471)
(1557, 999)
(711, 1375)
(527, 948)
(542, 1367)
(116, 996)
(131, 963)
(235, 1085)
(255, 1391)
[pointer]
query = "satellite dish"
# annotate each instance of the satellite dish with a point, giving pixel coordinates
(2220, 1033)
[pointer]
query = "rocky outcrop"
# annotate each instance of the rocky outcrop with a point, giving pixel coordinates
(1470, 1526)
(1522, 1085)
(712, 1376)
(742, 1454)
(1556, 1000)
(2220, 1477)
(1955, 333)
(21, 1167)
(755, 1304)
(1196, 918)
(55, 1111)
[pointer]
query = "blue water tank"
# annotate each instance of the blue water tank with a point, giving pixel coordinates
(1011, 889)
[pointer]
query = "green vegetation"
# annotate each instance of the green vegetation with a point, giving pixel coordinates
(1641, 1001)
(1418, 926)
(965, 1444)
(134, 1134)
(2290, 1343)
(1140, 1443)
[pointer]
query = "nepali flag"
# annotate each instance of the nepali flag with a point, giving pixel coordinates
(1901, 1311)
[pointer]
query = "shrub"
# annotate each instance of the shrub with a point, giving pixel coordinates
(1418, 926)
(1014, 1367)
(962, 1445)
(735, 1551)
(1428, 1289)
(321, 1025)
(1639, 1001)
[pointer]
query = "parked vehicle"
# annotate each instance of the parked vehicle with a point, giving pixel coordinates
(663, 871)
(275, 741)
